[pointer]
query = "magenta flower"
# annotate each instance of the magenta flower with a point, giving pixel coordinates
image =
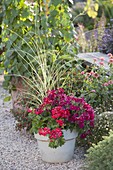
(92, 115)
(38, 111)
(29, 110)
(92, 123)
(83, 135)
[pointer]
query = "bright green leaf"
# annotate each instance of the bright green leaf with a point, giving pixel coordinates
(7, 99)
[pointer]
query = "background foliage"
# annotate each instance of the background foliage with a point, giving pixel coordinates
(48, 22)
(100, 156)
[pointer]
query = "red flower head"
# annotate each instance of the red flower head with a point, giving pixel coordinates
(38, 111)
(59, 111)
(60, 122)
(56, 133)
(47, 101)
(29, 110)
(44, 131)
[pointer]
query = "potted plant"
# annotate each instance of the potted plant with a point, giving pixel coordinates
(56, 123)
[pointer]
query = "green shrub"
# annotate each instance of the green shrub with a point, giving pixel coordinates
(100, 156)
(97, 86)
(47, 23)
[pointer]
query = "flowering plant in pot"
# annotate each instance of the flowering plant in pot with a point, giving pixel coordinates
(59, 112)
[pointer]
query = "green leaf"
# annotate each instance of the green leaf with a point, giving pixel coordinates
(13, 37)
(7, 99)
(7, 77)
(1, 71)
(6, 63)
(8, 54)
(56, 2)
(25, 14)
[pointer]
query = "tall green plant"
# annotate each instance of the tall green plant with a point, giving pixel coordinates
(17, 19)
(44, 76)
(47, 21)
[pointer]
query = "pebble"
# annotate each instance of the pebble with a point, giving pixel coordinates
(18, 151)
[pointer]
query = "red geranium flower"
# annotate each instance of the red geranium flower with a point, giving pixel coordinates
(56, 133)
(59, 112)
(44, 131)
(60, 122)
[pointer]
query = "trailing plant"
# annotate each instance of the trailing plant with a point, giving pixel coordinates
(100, 156)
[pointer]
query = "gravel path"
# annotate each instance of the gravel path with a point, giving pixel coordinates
(18, 151)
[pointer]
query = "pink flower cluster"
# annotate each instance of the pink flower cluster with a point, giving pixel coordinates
(56, 133)
(53, 134)
(90, 74)
(110, 58)
(102, 59)
(44, 131)
(110, 82)
(59, 111)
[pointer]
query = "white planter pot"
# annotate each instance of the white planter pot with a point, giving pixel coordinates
(60, 154)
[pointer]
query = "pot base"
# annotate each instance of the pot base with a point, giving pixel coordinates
(60, 154)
